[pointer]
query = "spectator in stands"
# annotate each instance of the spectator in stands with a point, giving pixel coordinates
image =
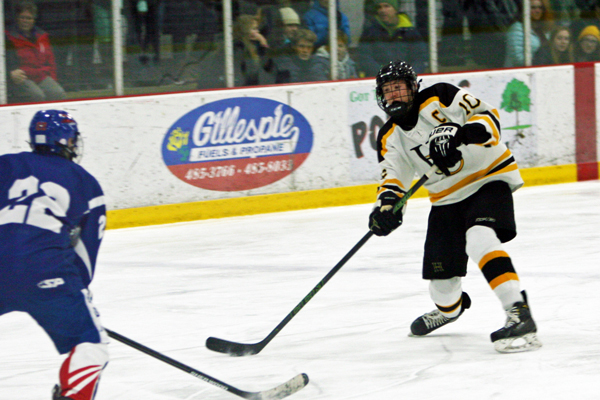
(102, 61)
(250, 52)
(488, 22)
(189, 19)
(317, 20)
(346, 67)
(146, 28)
(558, 50)
(291, 24)
(542, 22)
(589, 15)
(30, 60)
(286, 22)
(301, 66)
(387, 35)
(588, 45)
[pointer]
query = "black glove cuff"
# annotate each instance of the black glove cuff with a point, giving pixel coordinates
(474, 133)
(388, 198)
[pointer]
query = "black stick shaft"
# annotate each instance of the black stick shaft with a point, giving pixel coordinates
(240, 349)
(344, 260)
(177, 364)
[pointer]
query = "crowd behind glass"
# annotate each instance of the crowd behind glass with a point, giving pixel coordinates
(74, 49)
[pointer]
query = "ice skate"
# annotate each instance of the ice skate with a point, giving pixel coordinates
(519, 332)
(429, 322)
(56, 394)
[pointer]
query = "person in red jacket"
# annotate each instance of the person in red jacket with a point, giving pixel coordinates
(30, 61)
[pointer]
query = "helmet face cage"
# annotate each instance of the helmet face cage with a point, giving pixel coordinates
(396, 70)
(55, 131)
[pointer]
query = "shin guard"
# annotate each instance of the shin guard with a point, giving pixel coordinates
(80, 372)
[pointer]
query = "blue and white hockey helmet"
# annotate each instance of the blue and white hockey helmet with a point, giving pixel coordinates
(55, 131)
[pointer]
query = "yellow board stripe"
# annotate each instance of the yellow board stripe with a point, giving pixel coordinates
(490, 256)
(509, 276)
(261, 204)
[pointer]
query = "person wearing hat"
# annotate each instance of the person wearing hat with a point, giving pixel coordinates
(588, 45)
(291, 24)
(389, 33)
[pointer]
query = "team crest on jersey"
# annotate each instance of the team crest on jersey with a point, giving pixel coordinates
(455, 169)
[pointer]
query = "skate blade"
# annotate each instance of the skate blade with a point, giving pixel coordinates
(528, 342)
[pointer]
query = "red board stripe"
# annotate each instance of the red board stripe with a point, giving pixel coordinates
(585, 122)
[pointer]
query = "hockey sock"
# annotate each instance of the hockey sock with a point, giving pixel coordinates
(447, 295)
(484, 247)
(80, 372)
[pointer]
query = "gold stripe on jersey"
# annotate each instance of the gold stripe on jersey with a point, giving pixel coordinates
(384, 139)
(509, 276)
(392, 184)
(508, 165)
(495, 139)
(431, 100)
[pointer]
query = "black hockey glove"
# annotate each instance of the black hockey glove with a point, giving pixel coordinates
(382, 220)
(443, 143)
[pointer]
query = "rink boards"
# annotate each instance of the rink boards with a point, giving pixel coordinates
(210, 154)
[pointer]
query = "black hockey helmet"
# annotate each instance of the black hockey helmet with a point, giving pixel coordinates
(396, 70)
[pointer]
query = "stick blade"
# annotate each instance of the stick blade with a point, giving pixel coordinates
(232, 348)
(284, 390)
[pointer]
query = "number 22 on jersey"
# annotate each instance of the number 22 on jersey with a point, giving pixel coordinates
(49, 197)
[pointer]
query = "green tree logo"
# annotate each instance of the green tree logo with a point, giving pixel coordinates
(516, 98)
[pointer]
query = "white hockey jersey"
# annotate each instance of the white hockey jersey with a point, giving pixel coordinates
(403, 150)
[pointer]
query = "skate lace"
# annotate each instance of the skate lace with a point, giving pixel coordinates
(434, 319)
(512, 317)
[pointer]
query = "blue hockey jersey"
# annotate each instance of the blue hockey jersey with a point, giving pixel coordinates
(52, 220)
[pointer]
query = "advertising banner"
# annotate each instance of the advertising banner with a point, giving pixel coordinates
(236, 144)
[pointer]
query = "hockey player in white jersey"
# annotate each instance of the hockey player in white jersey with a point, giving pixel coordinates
(472, 210)
(52, 219)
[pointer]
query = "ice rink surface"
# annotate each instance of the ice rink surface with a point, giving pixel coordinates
(170, 287)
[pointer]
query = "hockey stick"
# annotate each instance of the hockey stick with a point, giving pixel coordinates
(286, 389)
(246, 349)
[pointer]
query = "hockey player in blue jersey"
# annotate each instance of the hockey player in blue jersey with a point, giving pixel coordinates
(52, 219)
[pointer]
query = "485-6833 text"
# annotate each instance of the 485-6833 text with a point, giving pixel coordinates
(222, 171)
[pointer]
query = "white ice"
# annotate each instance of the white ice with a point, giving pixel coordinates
(170, 287)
